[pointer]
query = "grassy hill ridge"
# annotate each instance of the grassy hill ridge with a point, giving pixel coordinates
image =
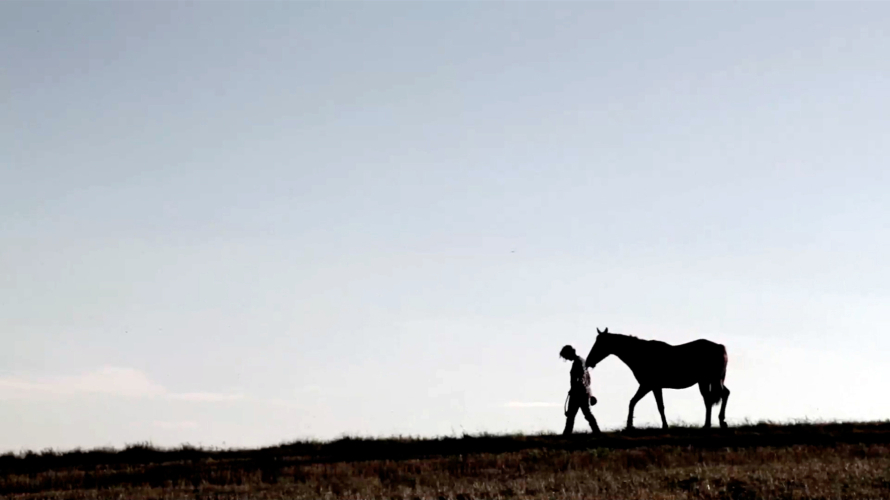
(830, 460)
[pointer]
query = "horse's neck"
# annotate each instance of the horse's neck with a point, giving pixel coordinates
(628, 350)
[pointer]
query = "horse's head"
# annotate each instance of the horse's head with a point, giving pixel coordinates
(601, 348)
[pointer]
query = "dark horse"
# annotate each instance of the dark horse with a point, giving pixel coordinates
(657, 365)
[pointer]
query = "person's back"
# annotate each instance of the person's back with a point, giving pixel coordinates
(581, 378)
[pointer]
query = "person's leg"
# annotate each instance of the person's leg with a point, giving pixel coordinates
(570, 416)
(585, 409)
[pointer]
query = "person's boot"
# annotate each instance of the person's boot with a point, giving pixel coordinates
(570, 425)
(594, 428)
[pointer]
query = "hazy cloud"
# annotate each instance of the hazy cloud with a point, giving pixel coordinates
(175, 425)
(108, 380)
(531, 404)
(283, 403)
(115, 381)
(205, 396)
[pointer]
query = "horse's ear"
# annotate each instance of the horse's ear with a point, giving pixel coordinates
(598, 331)
(606, 330)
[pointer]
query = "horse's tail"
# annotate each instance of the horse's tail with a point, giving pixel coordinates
(715, 388)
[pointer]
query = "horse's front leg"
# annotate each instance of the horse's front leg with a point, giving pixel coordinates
(642, 391)
(660, 402)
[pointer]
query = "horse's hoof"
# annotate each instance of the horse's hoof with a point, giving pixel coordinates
(723, 425)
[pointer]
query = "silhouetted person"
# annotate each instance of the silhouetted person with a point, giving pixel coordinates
(579, 393)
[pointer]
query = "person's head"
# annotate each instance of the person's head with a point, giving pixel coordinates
(567, 352)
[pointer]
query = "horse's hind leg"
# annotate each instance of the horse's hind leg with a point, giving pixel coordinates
(722, 415)
(704, 388)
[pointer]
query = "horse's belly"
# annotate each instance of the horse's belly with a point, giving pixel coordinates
(680, 384)
(673, 377)
(678, 379)
(674, 382)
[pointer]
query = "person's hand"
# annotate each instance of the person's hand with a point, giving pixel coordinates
(592, 400)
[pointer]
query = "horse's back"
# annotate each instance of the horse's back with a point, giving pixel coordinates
(696, 350)
(703, 346)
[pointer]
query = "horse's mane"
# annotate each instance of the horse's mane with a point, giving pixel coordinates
(638, 342)
(625, 336)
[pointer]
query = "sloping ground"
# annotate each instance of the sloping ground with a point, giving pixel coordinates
(760, 461)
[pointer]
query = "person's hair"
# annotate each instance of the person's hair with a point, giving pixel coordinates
(567, 352)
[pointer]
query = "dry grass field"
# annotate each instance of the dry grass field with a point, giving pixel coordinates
(805, 461)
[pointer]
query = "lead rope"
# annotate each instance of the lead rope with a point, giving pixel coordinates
(565, 406)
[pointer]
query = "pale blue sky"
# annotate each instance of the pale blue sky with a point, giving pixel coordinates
(247, 223)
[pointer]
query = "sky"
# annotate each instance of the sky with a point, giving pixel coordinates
(240, 224)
